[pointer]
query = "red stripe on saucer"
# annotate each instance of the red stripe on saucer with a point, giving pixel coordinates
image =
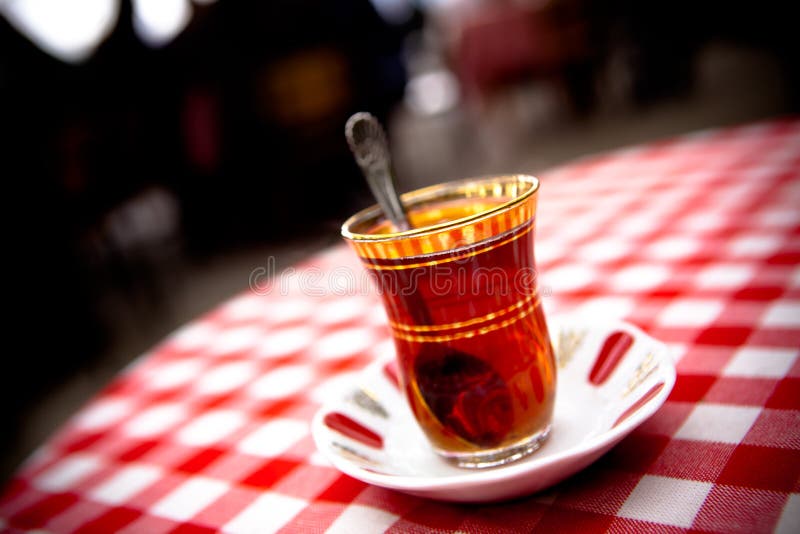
(390, 370)
(353, 429)
(615, 347)
(644, 399)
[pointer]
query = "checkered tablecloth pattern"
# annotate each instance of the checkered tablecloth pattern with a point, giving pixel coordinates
(694, 239)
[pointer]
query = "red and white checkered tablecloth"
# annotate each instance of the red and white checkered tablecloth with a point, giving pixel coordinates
(695, 239)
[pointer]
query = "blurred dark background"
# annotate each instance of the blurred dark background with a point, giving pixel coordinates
(146, 178)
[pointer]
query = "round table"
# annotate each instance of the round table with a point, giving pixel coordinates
(695, 239)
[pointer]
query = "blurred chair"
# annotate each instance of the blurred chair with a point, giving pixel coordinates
(498, 44)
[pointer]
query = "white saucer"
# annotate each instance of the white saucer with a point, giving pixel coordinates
(589, 419)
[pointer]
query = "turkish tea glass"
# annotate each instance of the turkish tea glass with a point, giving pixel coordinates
(460, 290)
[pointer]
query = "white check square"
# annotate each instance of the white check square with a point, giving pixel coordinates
(725, 276)
(174, 374)
(211, 427)
(636, 225)
(640, 277)
(602, 250)
(123, 485)
(103, 413)
(718, 422)
(761, 362)
(274, 437)
(672, 248)
(607, 307)
(568, 277)
(266, 514)
(669, 501)
(783, 314)
(340, 344)
(282, 382)
(155, 420)
(194, 336)
(703, 222)
(245, 307)
(777, 217)
(64, 475)
(789, 523)
(690, 313)
(284, 341)
(189, 499)
(360, 518)
(345, 308)
(226, 377)
(549, 251)
(757, 245)
(236, 339)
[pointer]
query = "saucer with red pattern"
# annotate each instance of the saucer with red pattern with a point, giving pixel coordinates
(611, 378)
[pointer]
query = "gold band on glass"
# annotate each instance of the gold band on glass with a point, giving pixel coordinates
(500, 203)
(460, 236)
(422, 338)
(470, 254)
(461, 324)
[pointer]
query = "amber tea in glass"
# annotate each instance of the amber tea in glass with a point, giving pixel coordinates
(460, 290)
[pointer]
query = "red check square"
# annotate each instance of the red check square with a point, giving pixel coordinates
(560, 520)
(766, 468)
(776, 428)
(190, 528)
(201, 460)
(38, 514)
(786, 395)
(691, 388)
(746, 391)
(526, 516)
(344, 489)
(692, 460)
(704, 360)
(269, 473)
(728, 336)
(602, 491)
(625, 525)
(636, 452)
(111, 521)
(668, 419)
(727, 508)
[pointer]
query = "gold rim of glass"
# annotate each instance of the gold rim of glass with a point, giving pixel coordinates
(425, 195)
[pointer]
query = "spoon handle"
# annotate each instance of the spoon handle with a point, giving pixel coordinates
(367, 141)
(381, 182)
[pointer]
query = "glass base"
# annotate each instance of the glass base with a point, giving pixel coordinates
(495, 457)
